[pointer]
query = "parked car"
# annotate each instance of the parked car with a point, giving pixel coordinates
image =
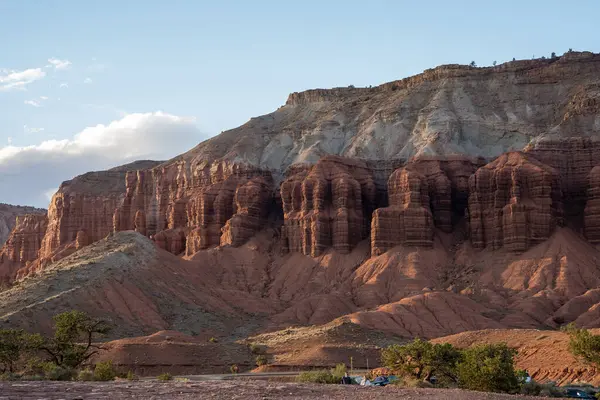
(380, 381)
(578, 394)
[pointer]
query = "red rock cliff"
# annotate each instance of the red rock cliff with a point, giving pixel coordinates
(514, 202)
(23, 245)
(328, 205)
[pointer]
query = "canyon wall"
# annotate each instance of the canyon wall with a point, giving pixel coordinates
(394, 164)
(8, 218)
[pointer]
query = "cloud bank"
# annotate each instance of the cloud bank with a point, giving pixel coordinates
(27, 173)
(18, 80)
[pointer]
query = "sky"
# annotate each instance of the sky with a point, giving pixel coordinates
(88, 85)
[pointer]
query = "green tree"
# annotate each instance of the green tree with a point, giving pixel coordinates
(473, 64)
(494, 63)
(422, 359)
(583, 344)
(13, 345)
(74, 336)
(488, 368)
(553, 55)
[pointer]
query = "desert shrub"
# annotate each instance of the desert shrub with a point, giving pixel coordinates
(551, 390)
(339, 371)
(85, 375)
(131, 376)
(234, 369)
(318, 376)
(213, 340)
(105, 371)
(531, 388)
(421, 359)
(488, 368)
(256, 349)
(583, 344)
(32, 378)
(261, 360)
(9, 376)
(165, 377)
(53, 372)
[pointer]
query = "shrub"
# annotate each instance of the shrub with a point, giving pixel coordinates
(213, 340)
(261, 360)
(339, 371)
(165, 377)
(9, 376)
(53, 372)
(256, 349)
(421, 359)
(319, 376)
(85, 375)
(488, 368)
(104, 371)
(583, 344)
(131, 376)
(234, 369)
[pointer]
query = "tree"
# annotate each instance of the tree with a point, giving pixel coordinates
(74, 336)
(583, 344)
(494, 63)
(473, 64)
(514, 59)
(488, 368)
(13, 344)
(422, 359)
(553, 55)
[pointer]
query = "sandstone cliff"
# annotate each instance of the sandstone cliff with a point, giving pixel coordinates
(8, 218)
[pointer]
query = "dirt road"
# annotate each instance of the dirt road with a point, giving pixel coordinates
(227, 390)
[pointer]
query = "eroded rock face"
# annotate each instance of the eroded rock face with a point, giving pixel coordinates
(514, 202)
(328, 205)
(592, 207)
(8, 218)
(195, 205)
(408, 219)
(23, 245)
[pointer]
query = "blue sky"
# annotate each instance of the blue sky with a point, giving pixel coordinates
(211, 65)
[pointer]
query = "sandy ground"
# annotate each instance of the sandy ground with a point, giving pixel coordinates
(225, 390)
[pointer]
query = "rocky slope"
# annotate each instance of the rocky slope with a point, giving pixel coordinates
(8, 218)
(458, 199)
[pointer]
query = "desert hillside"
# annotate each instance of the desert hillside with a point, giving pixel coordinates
(456, 200)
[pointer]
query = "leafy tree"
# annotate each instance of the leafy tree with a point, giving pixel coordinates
(514, 59)
(473, 64)
(74, 336)
(553, 55)
(583, 344)
(422, 359)
(13, 344)
(488, 368)
(494, 63)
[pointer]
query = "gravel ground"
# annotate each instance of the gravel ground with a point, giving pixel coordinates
(228, 390)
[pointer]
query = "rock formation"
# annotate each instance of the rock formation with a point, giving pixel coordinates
(8, 218)
(328, 205)
(592, 207)
(514, 202)
(23, 245)
(408, 219)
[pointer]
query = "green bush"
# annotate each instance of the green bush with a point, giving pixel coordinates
(421, 359)
(105, 371)
(9, 376)
(583, 344)
(261, 360)
(85, 375)
(53, 372)
(131, 376)
(488, 368)
(339, 371)
(256, 349)
(165, 377)
(319, 376)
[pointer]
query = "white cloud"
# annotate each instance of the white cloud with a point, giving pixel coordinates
(64, 85)
(33, 103)
(26, 172)
(28, 129)
(17, 80)
(87, 80)
(58, 64)
(44, 97)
